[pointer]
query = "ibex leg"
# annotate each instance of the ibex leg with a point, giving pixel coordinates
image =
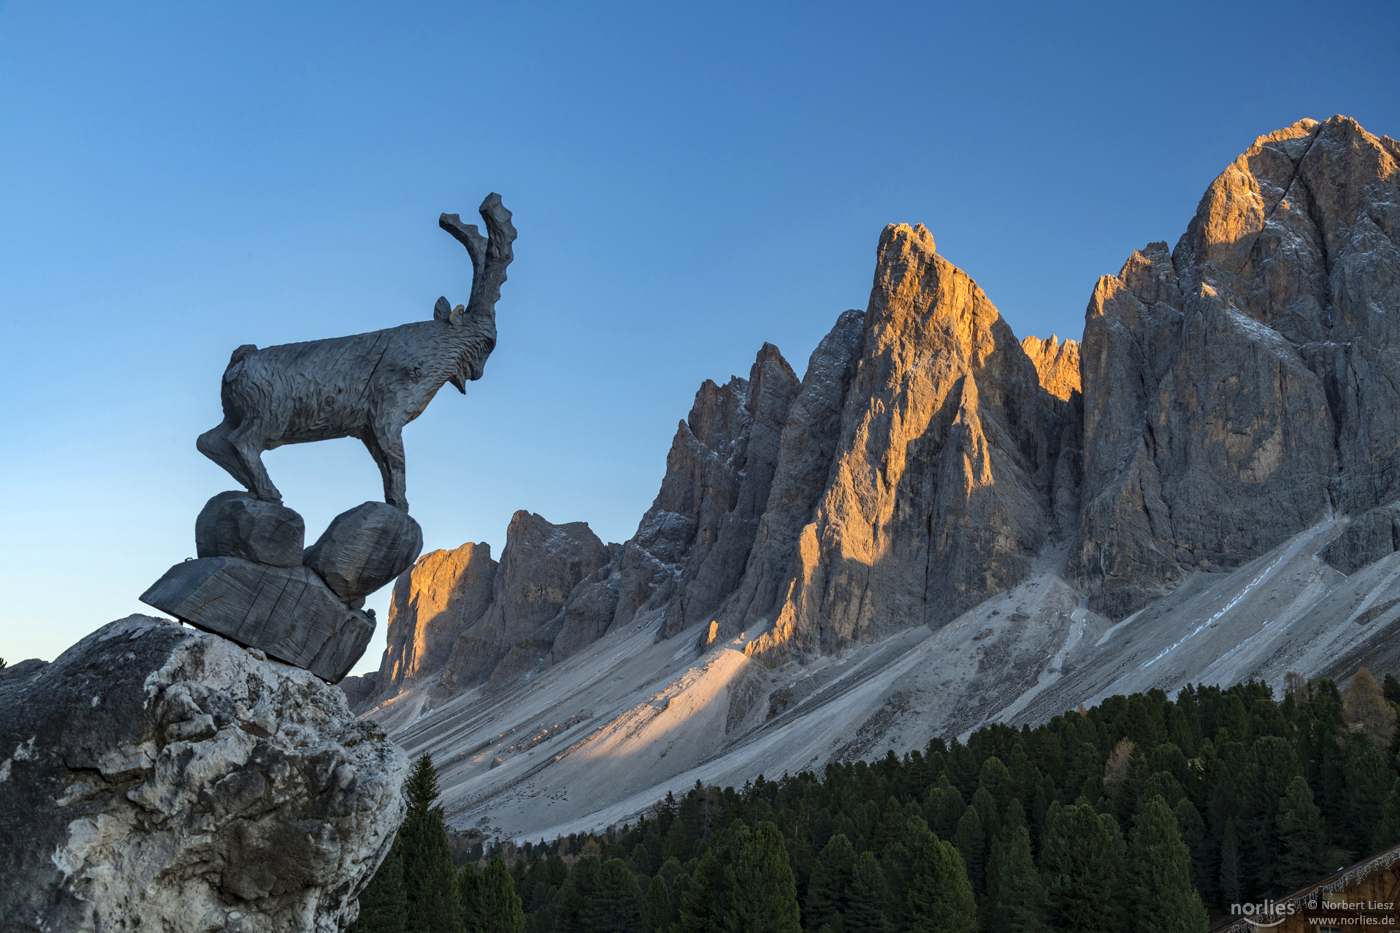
(245, 441)
(215, 445)
(386, 447)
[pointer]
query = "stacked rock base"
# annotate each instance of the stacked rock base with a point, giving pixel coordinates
(254, 584)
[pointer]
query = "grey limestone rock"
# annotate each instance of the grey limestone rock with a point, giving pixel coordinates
(692, 545)
(154, 777)
(434, 602)
(1241, 386)
(287, 612)
(806, 448)
(1368, 537)
(365, 548)
(726, 527)
(940, 488)
(1056, 363)
(359, 689)
(541, 564)
(235, 524)
(368, 386)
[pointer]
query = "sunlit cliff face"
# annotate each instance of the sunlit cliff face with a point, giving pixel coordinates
(1057, 364)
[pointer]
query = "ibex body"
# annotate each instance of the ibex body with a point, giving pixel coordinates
(368, 385)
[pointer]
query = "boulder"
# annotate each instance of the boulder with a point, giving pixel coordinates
(287, 612)
(158, 778)
(364, 549)
(235, 524)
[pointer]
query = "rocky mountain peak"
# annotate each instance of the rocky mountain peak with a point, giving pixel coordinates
(1056, 363)
(1241, 387)
(944, 435)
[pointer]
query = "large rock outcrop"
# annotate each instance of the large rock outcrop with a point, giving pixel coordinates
(1239, 387)
(1056, 363)
(941, 487)
(540, 566)
(807, 448)
(460, 618)
(443, 593)
(155, 777)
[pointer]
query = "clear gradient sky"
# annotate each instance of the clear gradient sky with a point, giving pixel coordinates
(177, 179)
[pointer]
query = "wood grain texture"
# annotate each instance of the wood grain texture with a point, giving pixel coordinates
(288, 612)
(366, 386)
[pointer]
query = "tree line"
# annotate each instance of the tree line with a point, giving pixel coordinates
(1143, 814)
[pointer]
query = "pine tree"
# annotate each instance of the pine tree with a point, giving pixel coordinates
(497, 902)
(1231, 866)
(945, 807)
(995, 778)
(870, 897)
(579, 887)
(1118, 917)
(1368, 781)
(1162, 897)
(1271, 766)
(1193, 833)
(615, 905)
(468, 880)
(828, 890)
(383, 902)
(898, 862)
(1080, 865)
(1388, 831)
(971, 842)
(987, 811)
(430, 878)
(705, 899)
(940, 895)
(763, 897)
(1020, 898)
(1300, 858)
(656, 906)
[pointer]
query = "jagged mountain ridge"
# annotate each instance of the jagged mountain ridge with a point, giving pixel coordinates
(1236, 394)
(765, 479)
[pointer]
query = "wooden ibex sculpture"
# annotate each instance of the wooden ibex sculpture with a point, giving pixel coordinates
(367, 386)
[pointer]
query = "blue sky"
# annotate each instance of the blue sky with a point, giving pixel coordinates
(688, 181)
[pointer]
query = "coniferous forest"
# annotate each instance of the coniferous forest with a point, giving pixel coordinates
(1141, 814)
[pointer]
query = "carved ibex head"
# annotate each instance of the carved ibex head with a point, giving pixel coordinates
(490, 256)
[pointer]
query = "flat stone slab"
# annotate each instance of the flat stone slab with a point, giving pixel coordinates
(287, 612)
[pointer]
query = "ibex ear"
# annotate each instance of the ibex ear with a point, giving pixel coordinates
(455, 317)
(442, 311)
